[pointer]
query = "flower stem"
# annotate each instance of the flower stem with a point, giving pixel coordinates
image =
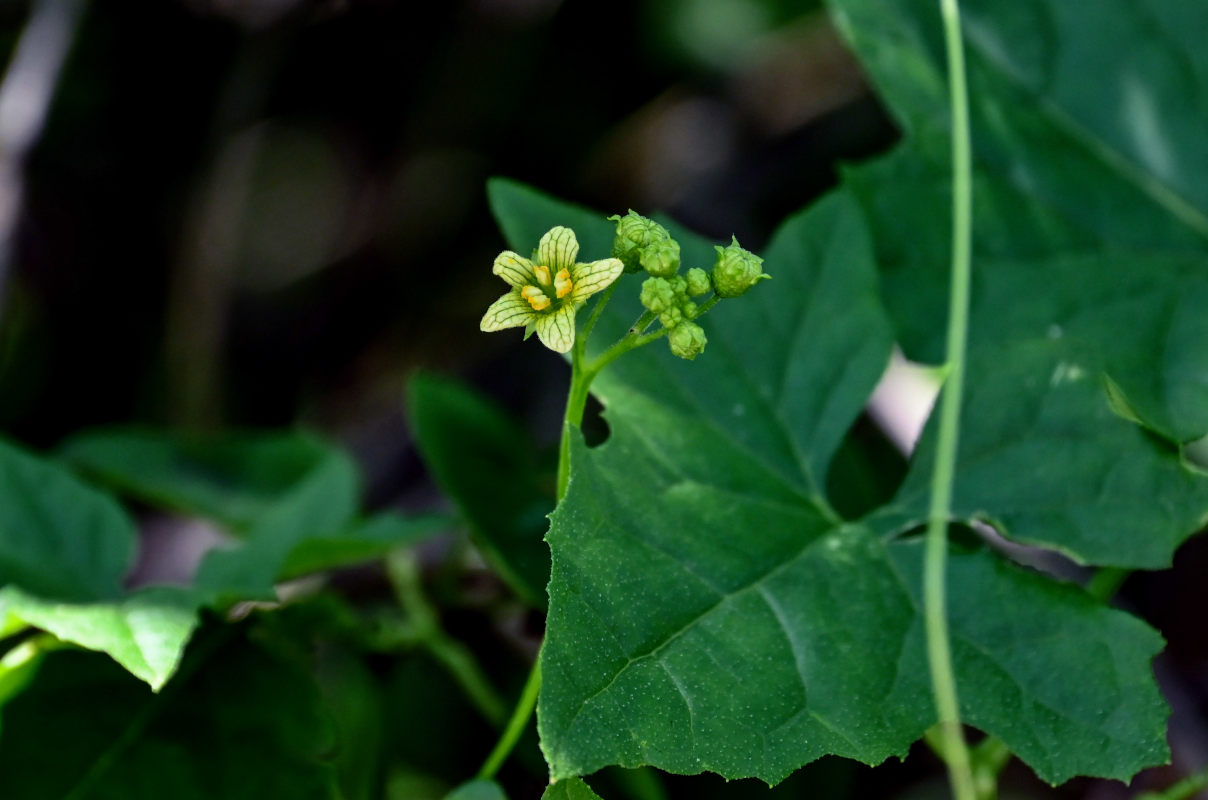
(576, 401)
(581, 340)
(943, 680)
(628, 342)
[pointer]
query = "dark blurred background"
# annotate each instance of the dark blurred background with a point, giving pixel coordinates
(260, 212)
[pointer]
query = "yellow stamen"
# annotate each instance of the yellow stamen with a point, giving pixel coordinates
(536, 298)
(542, 273)
(562, 283)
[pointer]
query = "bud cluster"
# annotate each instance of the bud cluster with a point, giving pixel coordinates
(635, 236)
(642, 244)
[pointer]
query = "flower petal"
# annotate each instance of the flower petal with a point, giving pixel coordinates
(558, 249)
(513, 268)
(594, 277)
(557, 330)
(509, 311)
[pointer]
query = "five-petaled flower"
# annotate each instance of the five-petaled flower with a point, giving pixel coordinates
(547, 290)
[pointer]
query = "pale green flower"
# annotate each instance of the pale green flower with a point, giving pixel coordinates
(546, 294)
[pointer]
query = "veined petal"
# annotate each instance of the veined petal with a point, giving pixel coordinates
(557, 329)
(513, 268)
(558, 249)
(509, 311)
(594, 277)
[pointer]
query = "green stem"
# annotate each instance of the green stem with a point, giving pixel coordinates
(642, 323)
(624, 345)
(581, 339)
(581, 376)
(576, 402)
(1104, 584)
(1183, 790)
(424, 625)
(988, 760)
(516, 725)
(943, 680)
(708, 304)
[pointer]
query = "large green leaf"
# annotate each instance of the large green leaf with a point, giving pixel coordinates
(243, 723)
(711, 630)
(710, 611)
(485, 463)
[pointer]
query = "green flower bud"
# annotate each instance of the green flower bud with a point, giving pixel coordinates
(657, 295)
(736, 270)
(698, 282)
(661, 259)
(687, 340)
(634, 233)
(671, 317)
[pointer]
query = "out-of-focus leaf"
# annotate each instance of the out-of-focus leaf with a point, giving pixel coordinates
(323, 501)
(477, 790)
(234, 479)
(59, 538)
(352, 695)
(363, 540)
(145, 631)
(485, 463)
(245, 724)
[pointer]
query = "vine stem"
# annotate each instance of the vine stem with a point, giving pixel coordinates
(516, 725)
(954, 749)
(582, 373)
(576, 402)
